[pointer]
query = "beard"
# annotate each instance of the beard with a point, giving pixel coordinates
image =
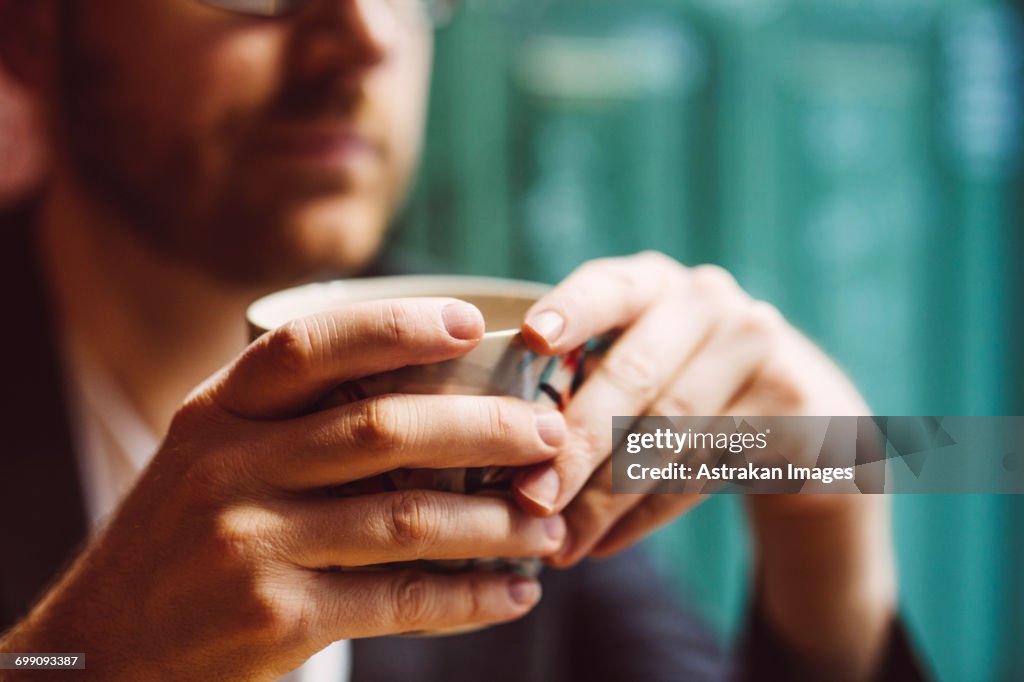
(203, 195)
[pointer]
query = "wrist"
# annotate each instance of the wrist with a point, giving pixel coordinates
(827, 577)
(78, 615)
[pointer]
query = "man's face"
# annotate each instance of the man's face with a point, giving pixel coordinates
(260, 150)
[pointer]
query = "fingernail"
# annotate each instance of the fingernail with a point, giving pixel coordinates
(524, 591)
(554, 528)
(542, 488)
(547, 324)
(550, 425)
(462, 321)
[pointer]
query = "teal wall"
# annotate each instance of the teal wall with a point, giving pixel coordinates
(854, 161)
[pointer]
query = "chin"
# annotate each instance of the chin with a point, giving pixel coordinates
(330, 239)
(340, 236)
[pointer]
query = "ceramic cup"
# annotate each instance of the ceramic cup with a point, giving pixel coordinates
(500, 365)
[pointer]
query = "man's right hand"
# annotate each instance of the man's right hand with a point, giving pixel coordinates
(212, 566)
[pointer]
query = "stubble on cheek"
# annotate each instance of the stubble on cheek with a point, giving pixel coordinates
(163, 124)
(157, 133)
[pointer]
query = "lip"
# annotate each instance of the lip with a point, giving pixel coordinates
(334, 147)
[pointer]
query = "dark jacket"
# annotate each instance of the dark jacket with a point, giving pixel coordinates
(611, 620)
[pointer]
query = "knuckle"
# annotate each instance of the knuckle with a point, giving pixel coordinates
(760, 320)
(412, 521)
(781, 392)
(597, 266)
(412, 600)
(293, 345)
(593, 447)
(618, 273)
(673, 404)
(500, 420)
(394, 321)
(276, 615)
(200, 414)
(190, 414)
(238, 535)
(263, 614)
(657, 260)
(238, 549)
(195, 417)
(628, 278)
(374, 426)
(713, 280)
(203, 449)
(632, 372)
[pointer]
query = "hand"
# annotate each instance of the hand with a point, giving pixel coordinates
(693, 343)
(211, 568)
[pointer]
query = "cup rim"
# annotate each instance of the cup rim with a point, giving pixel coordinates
(270, 311)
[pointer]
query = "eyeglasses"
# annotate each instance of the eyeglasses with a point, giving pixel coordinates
(433, 12)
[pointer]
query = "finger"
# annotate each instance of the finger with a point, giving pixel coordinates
(785, 384)
(600, 296)
(720, 373)
(723, 367)
(652, 513)
(771, 394)
(633, 373)
(385, 433)
(355, 605)
(591, 514)
(717, 372)
(410, 525)
(597, 510)
(287, 369)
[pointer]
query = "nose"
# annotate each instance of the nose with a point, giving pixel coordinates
(351, 34)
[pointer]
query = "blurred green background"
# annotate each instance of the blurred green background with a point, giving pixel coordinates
(856, 162)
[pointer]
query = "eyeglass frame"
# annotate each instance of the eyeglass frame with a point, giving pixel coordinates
(436, 13)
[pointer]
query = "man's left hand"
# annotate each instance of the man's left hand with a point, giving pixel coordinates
(693, 343)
